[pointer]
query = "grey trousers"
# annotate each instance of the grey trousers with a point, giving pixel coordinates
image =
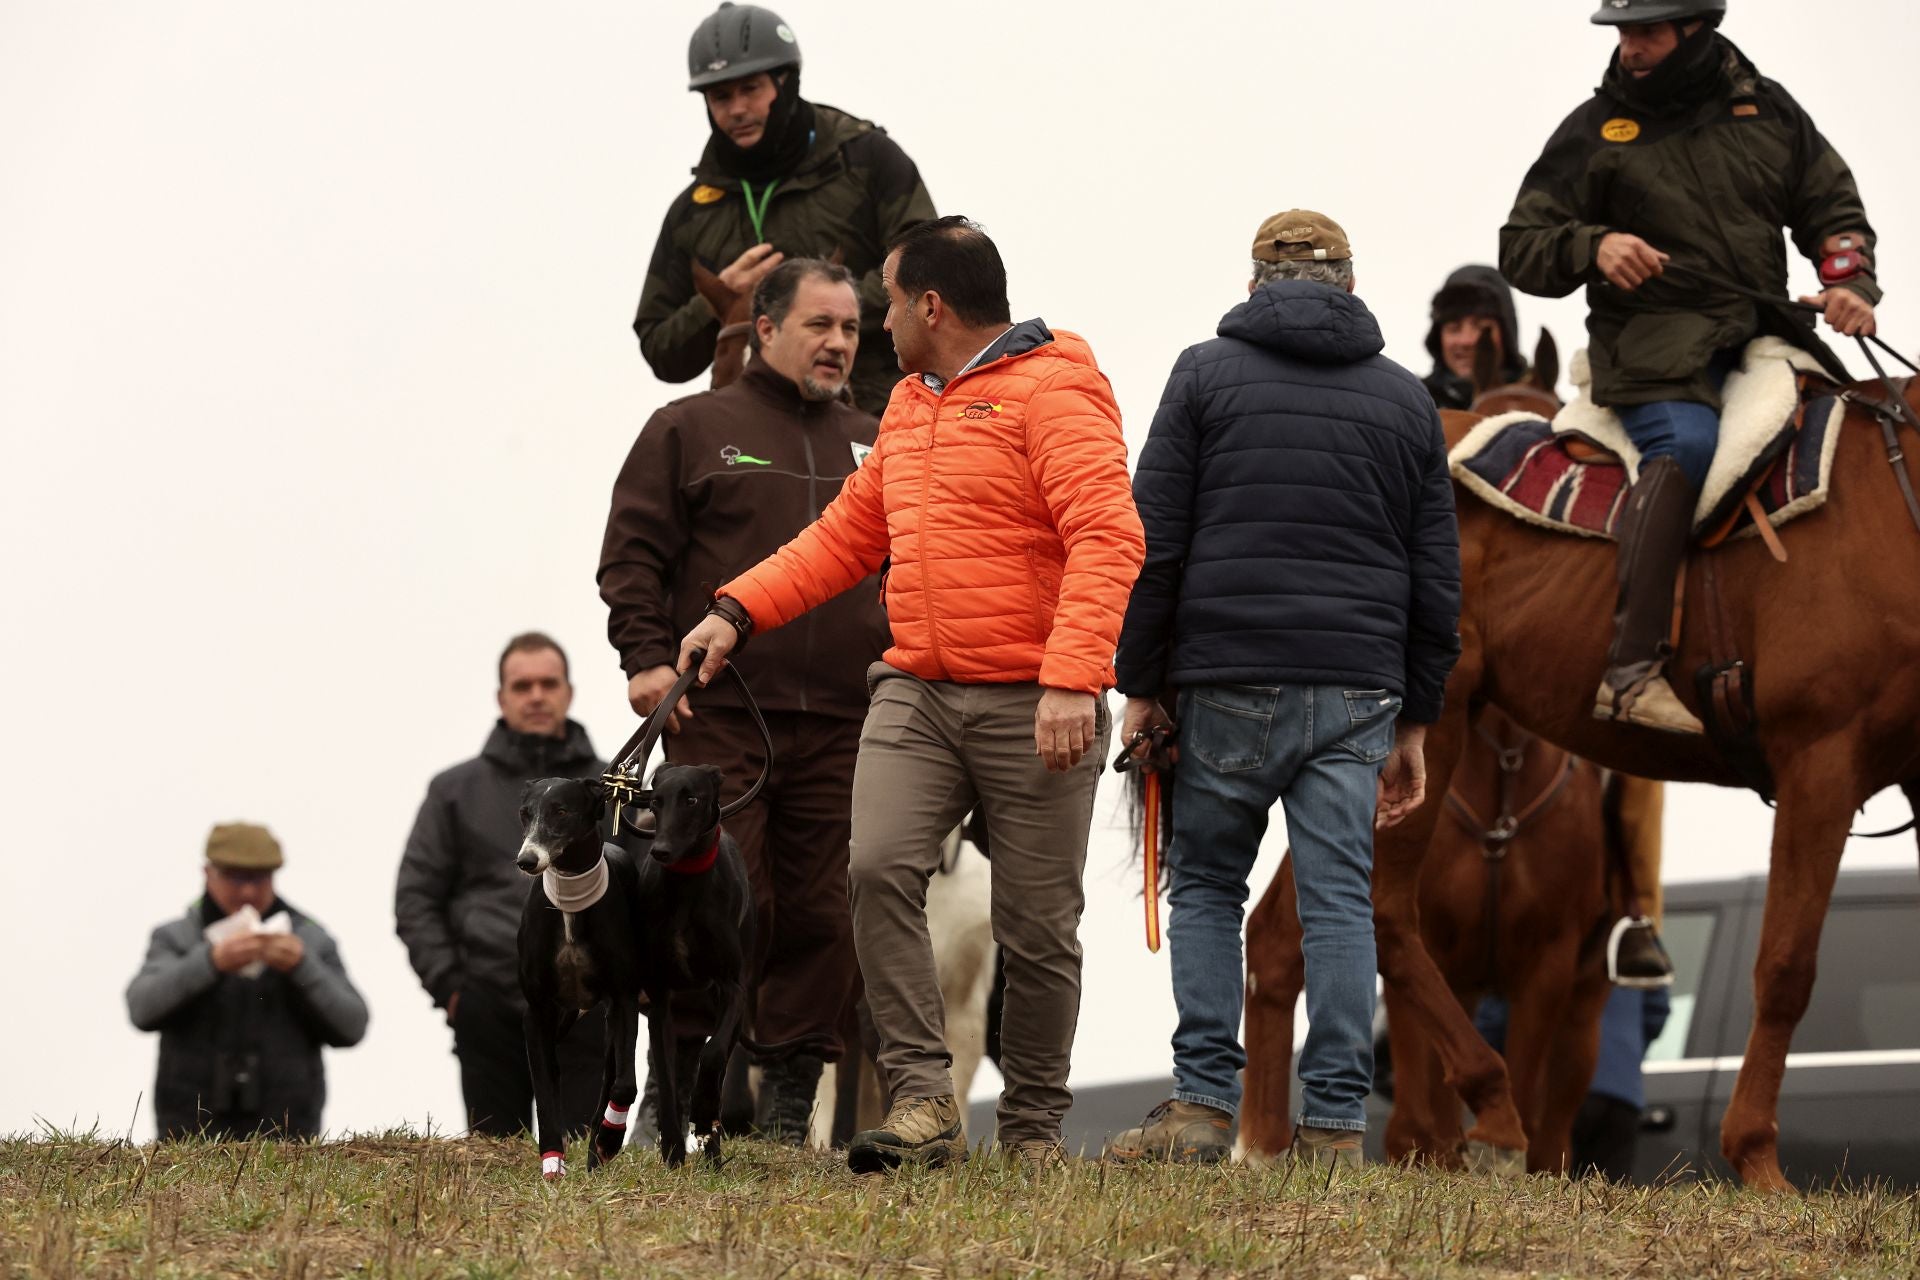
(929, 753)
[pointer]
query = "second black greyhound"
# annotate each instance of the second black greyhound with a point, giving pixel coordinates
(695, 922)
(577, 947)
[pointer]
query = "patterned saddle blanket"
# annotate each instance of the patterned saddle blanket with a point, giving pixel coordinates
(1778, 430)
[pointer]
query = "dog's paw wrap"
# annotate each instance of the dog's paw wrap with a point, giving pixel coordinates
(553, 1164)
(616, 1117)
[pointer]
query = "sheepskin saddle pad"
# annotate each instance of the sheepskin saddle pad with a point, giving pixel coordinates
(1778, 430)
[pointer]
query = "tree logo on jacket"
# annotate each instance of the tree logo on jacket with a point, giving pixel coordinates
(731, 455)
(978, 409)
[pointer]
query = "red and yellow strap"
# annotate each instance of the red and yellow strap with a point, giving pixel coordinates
(1150, 857)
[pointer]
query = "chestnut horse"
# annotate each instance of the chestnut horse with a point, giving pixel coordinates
(1831, 639)
(1513, 902)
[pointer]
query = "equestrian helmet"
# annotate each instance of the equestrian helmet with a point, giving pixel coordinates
(1620, 13)
(739, 40)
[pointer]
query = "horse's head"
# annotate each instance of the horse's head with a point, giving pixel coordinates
(1535, 393)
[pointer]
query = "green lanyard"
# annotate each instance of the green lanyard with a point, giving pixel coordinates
(757, 212)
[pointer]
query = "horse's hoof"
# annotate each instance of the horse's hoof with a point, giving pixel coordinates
(1495, 1162)
(674, 1156)
(553, 1166)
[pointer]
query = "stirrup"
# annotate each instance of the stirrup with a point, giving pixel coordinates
(1655, 969)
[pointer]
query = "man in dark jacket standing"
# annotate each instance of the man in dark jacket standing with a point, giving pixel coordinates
(1302, 594)
(1685, 160)
(1474, 301)
(781, 177)
(244, 990)
(715, 483)
(458, 899)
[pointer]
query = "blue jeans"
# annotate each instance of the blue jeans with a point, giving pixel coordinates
(1318, 750)
(1684, 430)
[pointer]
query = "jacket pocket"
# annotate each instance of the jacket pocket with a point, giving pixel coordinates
(1226, 726)
(1370, 717)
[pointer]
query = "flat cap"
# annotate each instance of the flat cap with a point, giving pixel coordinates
(1300, 235)
(242, 846)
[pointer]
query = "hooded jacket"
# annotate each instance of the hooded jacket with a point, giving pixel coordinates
(1002, 501)
(853, 194)
(458, 897)
(238, 1053)
(1298, 511)
(1710, 182)
(715, 483)
(1471, 291)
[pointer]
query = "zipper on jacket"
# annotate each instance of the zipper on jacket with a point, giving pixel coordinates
(813, 513)
(926, 513)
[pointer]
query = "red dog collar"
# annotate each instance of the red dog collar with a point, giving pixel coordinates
(700, 864)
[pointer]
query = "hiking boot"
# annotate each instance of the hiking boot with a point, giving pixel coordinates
(1038, 1155)
(1636, 957)
(784, 1112)
(1653, 545)
(1341, 1148)
(1182, 1132)
(1651, 704)
(927, 1130)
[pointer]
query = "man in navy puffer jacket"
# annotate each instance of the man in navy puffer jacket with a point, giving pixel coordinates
(1302, 594)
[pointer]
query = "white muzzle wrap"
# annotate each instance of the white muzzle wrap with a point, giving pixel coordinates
(576, 893)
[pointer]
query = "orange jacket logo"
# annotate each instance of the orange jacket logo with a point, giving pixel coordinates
(1620, 129)
(978, 409)
(704, 194)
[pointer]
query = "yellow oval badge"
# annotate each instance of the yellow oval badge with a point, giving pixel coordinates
(1618, 129)
(707, 195)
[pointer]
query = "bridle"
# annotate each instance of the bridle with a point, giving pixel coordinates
(1513, 818)
(622, 778)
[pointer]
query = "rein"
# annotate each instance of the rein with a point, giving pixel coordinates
(1494, 837)
(622, 778)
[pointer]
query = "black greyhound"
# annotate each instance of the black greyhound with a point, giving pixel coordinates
(695, 920)
(577, 948)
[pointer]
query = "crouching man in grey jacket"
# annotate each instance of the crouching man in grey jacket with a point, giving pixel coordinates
(244, 990)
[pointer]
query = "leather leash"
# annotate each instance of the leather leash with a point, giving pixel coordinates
(622, 778)
(1150, 767)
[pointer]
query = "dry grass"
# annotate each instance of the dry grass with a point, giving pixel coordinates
(409, 1206)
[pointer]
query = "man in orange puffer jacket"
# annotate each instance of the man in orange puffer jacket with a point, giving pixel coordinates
(998, 490)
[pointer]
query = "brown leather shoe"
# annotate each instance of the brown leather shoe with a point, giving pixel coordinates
(1341, 1148)
(926, 1130)
(1182, 1132)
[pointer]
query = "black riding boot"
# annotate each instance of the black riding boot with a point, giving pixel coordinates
(787, 1091)
(1653, 544)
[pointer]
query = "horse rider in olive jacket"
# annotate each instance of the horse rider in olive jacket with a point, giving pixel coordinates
(1686, 160)
(781, 177)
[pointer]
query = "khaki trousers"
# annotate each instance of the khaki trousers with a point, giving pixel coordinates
(930, 752)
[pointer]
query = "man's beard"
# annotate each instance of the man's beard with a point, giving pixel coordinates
(812, 388)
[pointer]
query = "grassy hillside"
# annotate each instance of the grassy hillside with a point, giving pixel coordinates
(406, 1206)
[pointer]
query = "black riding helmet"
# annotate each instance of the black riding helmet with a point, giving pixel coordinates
(739, 40)
(1621, 13)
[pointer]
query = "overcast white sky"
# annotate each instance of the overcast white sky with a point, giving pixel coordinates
(315, 370)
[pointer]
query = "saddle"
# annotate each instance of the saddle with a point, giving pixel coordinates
(1778, 430)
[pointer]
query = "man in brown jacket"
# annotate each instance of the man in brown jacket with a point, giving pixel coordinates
(715, 483)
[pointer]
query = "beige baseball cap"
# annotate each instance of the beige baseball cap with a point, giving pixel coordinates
(1300, 235)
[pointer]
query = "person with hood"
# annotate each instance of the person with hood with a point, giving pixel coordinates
(245, 990)
(1302, 593)
(781, 177)
(459, 896)
(1686, 160)
(997, 495)
(1475, 300)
